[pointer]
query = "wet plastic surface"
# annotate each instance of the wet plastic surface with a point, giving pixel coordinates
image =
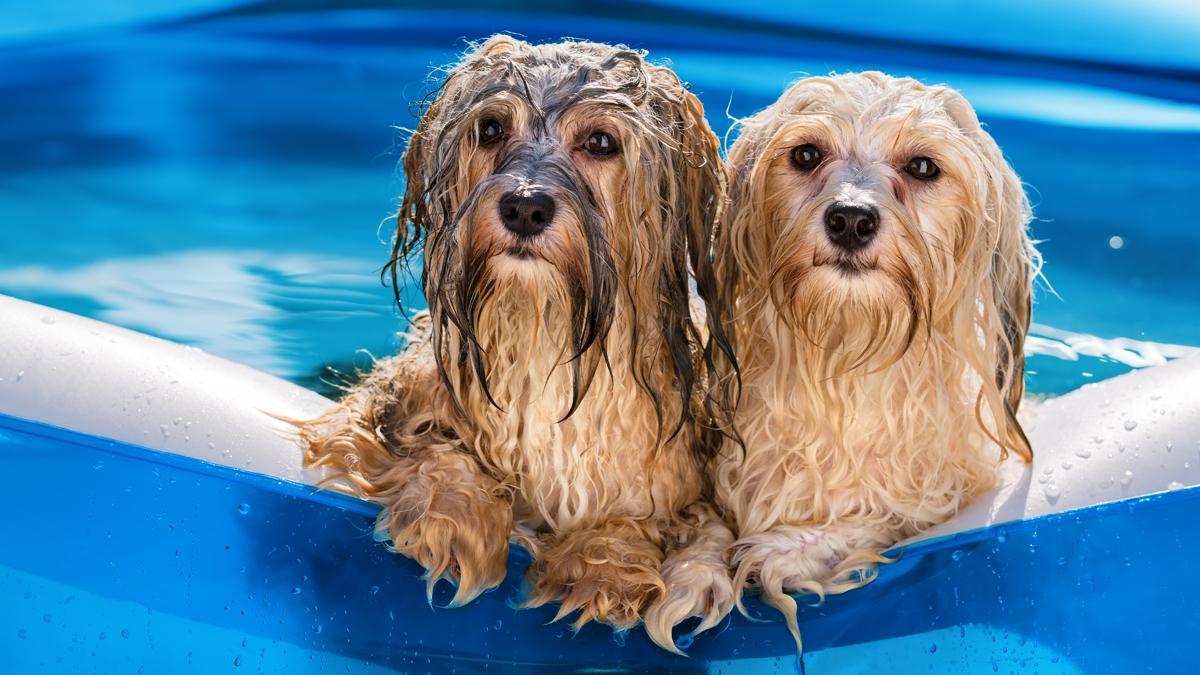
(120, 559)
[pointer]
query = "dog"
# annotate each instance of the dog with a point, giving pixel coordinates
(879, 272)
(558, 195)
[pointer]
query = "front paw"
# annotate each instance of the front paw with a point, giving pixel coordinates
(783, 559)
(609, 575)
(694, 588)
(459, 534)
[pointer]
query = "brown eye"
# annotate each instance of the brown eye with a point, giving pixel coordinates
(490, 131)
(922, 168)
(601, 144)
(806, 157)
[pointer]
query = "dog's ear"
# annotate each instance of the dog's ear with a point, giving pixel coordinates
(417, 210)
(702, 185)
(1012, 267)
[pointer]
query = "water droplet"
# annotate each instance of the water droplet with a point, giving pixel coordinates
(1116, 243)
(1052, 492)
(1083, 453)
(932, 648)
(20, 374)
(318, 628)
(498, 624)
(243, 508)
(1130, 425)
(956, 555)
(1062, 561)
(1043, 479)
(374, 590)
(1174, 485)
(97, 465)
(125, 633)
(685, 641)
(1066, 465)
(48, 320)
(21, 633)
(46, 618)
(1126, 479)
(295, 590)
(237, 660)
(1002, 535)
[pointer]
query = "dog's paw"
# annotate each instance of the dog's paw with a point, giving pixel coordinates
(694, 589)
(461, 535)
(783, 559)
(608, 575)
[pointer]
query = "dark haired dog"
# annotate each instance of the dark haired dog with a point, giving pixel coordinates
(549, 394)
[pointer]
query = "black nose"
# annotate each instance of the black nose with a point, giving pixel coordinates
(851, 227)
(526, 213)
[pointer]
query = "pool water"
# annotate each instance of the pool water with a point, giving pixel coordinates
(227, 182)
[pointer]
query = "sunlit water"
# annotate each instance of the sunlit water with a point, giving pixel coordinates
(227, 183)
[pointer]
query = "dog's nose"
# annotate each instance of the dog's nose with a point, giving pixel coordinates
(526, 213)
(851, 227)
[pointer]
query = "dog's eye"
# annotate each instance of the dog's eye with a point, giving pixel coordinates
(600, 144)
(922, 168)
(490, 131)
(806, 157)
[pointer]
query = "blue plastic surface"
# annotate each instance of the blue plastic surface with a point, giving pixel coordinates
(115, 558)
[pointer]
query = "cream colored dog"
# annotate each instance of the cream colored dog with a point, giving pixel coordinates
(879, 272)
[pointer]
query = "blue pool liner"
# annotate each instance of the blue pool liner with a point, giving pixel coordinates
(117, 558)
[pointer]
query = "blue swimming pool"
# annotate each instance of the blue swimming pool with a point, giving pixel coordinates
(226, 181)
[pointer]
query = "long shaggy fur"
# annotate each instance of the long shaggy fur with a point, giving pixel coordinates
(550, 391)
(877, 395)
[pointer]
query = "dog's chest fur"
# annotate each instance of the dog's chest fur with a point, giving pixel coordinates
(895, 450)
(601, 461)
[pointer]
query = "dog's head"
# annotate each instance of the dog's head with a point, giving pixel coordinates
(876, 213)
(576, 175)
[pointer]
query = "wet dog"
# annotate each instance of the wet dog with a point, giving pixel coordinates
(557, 196)
(879, 270)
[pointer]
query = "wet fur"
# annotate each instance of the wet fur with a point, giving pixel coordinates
(552, 399)
(872, 404)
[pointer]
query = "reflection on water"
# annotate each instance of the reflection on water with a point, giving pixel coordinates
(227, 182)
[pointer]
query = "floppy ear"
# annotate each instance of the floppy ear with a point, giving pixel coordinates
(417, 209)
(1013, 265)
(701, 188)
